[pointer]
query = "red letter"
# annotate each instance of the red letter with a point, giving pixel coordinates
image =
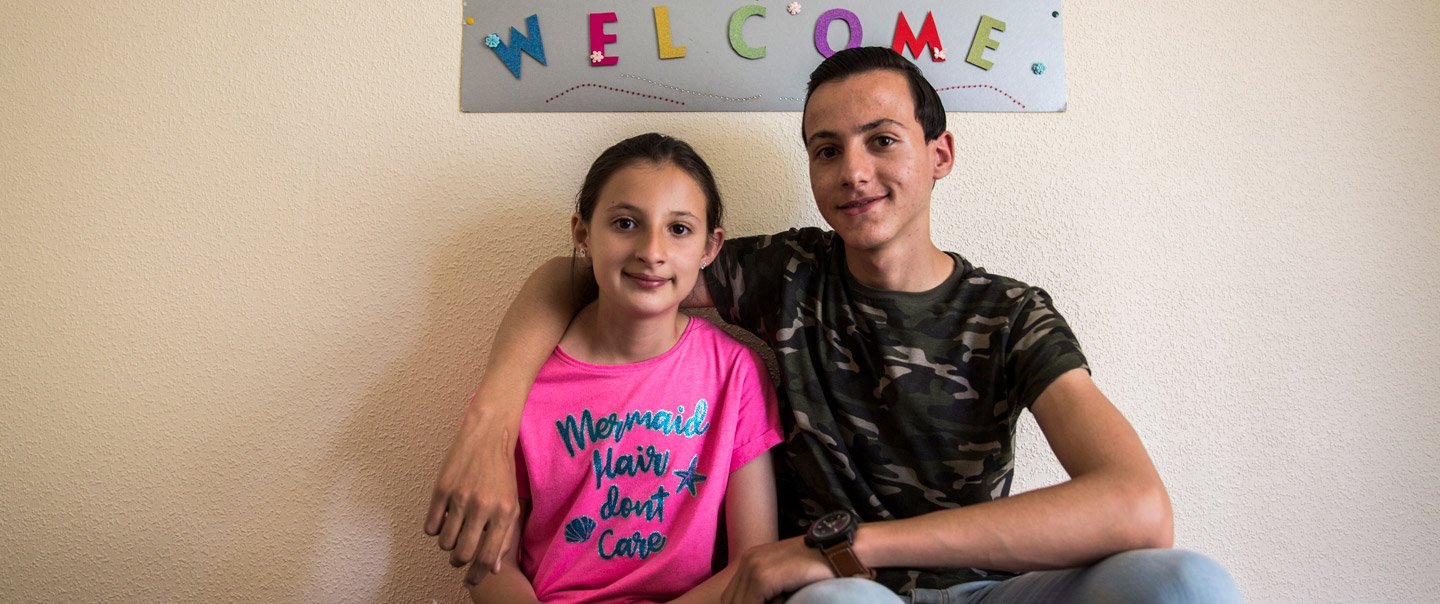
(904, 39)
(598, 37)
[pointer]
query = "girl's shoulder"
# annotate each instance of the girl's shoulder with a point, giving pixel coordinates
(722, 342)
(702, 330)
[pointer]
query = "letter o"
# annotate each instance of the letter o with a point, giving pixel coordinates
(822, 30)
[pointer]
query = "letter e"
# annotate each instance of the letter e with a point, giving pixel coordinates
(598, 37)
(983, 41)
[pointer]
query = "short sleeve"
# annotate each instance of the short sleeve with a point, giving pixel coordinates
(746, 279)
(1041, 348)
(757, 427)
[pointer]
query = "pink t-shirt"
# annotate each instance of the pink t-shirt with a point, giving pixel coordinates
(629, 465)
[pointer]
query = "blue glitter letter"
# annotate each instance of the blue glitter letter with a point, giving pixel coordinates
(530, 43)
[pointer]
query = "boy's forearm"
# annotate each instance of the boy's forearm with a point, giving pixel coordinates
(1066, 525)
(476, 483)
(529, 332)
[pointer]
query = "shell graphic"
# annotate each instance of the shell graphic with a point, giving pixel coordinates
(579, 529)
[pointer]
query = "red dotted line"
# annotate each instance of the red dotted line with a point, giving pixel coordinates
(639, 94)
(1007, 95)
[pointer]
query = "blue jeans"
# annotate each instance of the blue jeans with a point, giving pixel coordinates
(1151, 575)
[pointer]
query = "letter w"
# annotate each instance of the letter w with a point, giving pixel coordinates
(531, 44)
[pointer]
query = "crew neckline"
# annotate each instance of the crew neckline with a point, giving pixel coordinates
(961, 271)
(690, 326)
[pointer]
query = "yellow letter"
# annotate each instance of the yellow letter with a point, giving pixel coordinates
(983, 41)
(662, 35)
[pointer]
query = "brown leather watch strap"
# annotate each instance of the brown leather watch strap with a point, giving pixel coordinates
(843, 560)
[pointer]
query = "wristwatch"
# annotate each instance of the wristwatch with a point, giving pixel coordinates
(833, 535)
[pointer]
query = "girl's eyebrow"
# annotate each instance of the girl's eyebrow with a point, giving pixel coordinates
(625, 207)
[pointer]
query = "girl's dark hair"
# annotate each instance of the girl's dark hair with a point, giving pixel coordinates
(929, 111)
(655, 149)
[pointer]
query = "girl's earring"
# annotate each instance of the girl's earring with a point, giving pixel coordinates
(703, 265)
(580, 251)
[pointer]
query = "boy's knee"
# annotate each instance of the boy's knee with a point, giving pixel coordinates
(1173, 575)
(848, 590)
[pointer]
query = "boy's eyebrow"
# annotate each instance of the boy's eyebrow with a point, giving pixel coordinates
(866, 127)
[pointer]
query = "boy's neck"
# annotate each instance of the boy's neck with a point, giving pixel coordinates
(605, 336)
(898, 268)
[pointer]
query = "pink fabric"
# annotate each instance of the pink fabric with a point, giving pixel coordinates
(626, 466)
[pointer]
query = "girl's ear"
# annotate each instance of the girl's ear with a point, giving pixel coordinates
(713, 243)
(579, 233)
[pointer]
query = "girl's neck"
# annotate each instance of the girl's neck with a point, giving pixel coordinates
(602, 335)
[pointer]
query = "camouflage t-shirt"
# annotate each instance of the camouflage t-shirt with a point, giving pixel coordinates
(893, 404)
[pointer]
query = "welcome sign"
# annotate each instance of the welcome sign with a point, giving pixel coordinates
(707, 55)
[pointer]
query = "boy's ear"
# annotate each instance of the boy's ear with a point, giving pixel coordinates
(943, 149)
(579, 232)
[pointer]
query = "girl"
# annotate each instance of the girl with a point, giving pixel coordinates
(645, 427)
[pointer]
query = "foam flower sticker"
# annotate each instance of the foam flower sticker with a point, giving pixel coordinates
(597, 56)
(938, 54)
(1038, 68)
(492, 40)
(793, 8)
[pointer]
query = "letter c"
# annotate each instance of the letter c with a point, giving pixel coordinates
(737, 31)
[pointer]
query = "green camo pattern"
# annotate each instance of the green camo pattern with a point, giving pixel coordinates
(893, 404)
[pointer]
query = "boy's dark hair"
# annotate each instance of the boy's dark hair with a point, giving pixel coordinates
(929, 111)
(655, 149)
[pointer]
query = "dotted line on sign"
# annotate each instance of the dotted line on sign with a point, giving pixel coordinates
(696, 93)
(1007, 95)
(639, 94)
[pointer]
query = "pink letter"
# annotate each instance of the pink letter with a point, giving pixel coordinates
(598, 37)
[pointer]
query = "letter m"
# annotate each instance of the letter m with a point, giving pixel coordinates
(929, 36)
(530, 43)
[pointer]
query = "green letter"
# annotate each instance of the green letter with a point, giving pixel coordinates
(983, 41)
(737, 31)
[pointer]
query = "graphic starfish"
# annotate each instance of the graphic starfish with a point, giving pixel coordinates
(689, 477)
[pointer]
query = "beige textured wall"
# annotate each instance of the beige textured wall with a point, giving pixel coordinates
(251, 256)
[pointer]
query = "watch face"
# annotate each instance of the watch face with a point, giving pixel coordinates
(831, 525)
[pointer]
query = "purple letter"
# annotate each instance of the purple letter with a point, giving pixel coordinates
(822, 30)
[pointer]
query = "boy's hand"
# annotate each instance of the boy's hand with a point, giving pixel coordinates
(767, 571)
(473, 508)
